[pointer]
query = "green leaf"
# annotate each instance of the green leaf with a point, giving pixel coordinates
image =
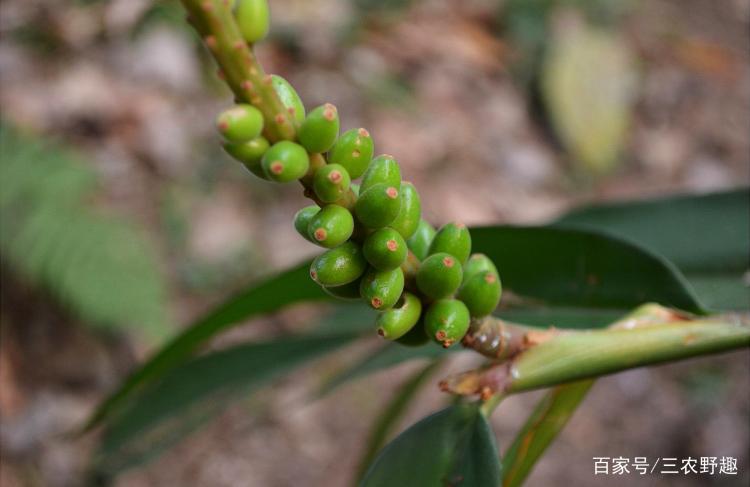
(386, 356)
(292, 286)
(99, 266)
(587, 82)
(454, 446)
(574, 268)
(705, 236)
(549, 417)
(392, 414)
(194, 391)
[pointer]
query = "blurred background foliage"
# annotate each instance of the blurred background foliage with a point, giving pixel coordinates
(121, 217)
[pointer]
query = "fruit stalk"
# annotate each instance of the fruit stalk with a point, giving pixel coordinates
(238, 65)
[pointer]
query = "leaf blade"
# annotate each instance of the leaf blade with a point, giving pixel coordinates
(451, 445)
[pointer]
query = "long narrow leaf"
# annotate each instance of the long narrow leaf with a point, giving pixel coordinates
(287, 288)
(392, 414)
(541, 428)
(198, 389)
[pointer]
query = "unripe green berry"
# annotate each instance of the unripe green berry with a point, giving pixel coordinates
(478, 263)
(249, 154)
(378, 206)
(396, 322)
(353, 150)
(240, 123)
(439, 275)
(381, 289)
(285, 161)
(348, 292)
(319, 130)
(481, 293)
(454, 239)
(407, 221)
(331, 226)
(447, 321)
(302, 220)
(414, 337)
(289, 97)
(252, 19)
(385, 249)
(339, 266)
(420, 240)
(382, 169)
(331, 182)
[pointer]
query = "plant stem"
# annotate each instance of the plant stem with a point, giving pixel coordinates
(573, 355)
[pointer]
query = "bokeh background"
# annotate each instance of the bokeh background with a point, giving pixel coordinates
(125, 221)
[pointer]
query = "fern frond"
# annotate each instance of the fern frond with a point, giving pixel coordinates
(99, 266)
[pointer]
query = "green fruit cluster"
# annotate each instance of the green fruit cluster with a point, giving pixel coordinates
(425, 283)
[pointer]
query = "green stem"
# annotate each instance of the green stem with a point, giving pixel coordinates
(561, 357)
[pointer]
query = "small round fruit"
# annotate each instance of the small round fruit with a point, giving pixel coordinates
(381, 289)
(252, 19)
(407, 221)
(249, 154)
(240, 123)
(476, 264)
(331, 226)
(385, 249)
(353, 150)
(285, 161)
(420, 240)
(382, 169)
(339, 266)
(319, 130)
(454, 239)
(481, 293)
(439, 275)
(396, 322)
(447, 321)
(289, 97)
(331, 182)
(348, 292)
(378, 206)
(302, 220)
(415, 337)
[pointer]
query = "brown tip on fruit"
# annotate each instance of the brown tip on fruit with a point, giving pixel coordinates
(490, 278)
(391, 245)
(290, 110)
(238, 45)
(277, 167)
(280, 118)
(391, 192)
(448, 261)
(443, 386)
(314, 275)
(381, 332)
(460, 225)
(335, 177)
(447, 343)
(363, 133)
(223, 125)
(210, 41)
(376, 303)
(246, 85)
(329, 113)
(440, 335)
(320, 234)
